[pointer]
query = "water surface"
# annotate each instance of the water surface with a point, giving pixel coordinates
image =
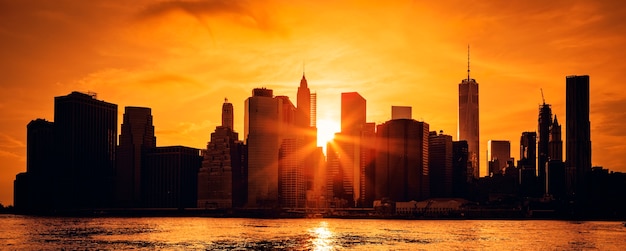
(189, 233)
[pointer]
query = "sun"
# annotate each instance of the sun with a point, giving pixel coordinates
(326, 129)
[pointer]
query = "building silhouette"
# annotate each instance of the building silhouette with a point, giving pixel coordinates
(440, 154)
(262, 127)
(577, 133)
(222, 180)
(294, 156)
(136, 137)
(85, 141)
(348, 146)
(469, 120)
(34, 189)
(170, 177)
(527, 163)
(543, 143)
(367, 171)
(498, 154)
(460, 175)
(402, 158)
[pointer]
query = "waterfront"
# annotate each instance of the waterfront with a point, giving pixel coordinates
(197, 233)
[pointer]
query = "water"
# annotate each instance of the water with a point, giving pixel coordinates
(180, 233)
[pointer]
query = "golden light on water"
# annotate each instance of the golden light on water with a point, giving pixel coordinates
(323, 237)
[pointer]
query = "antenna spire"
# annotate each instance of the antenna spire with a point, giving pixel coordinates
(468, 62)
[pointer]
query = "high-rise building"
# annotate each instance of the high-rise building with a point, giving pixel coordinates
(527, 163)
(498, 154)
(555, 144)
(85, 139)
(469, 120)
(137, 135)
(440, 170)
(367, 166)
(460, 177)
(304, 103)
(402, 158)
(222, 178)
(262, 128)
(577, 132)
(34, 189)
(543, 142)
(401, 112)
(228, 116)
(556, 176)
(353, 111)
(170, 177)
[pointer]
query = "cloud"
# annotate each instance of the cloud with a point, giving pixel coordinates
(245, 13)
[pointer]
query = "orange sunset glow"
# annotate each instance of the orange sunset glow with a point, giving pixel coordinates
(182, 58)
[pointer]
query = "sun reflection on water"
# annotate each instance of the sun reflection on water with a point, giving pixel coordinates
(322, 237)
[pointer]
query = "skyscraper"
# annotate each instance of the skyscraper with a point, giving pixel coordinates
(498, 153)
(555, 144)
(543, 141)
(469, 120)
(527, 162)
(556, 168)
(402, 172)
(227, 115)
(34, 189)
(85, 141)
(304, 103)
(460, 176)
(353, 110)
(440, 164)
(170, 177)
(221, 180)
(577, 131)
(137, 135)
(262, 127)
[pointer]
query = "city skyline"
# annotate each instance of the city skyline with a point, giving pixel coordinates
(415, 56)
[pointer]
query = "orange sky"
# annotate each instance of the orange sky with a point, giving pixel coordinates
(181, 58)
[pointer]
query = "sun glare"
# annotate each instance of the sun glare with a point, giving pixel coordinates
(326, 130)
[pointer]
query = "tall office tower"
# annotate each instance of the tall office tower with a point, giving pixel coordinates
(304, 103)
(440, 153)
(170, 177)
(221, 180)
(333, 174)
(401, 112)
(33, 188)
(469, 120)
(307, 132)
(262, 127)
(555, 144)
(228, 116)
(353, 108)
(402, 172)
(556, 168)
(137, 135)
(85, 139)
(543, 141)
(498, 154)
(367, 165)
(528, 162)
(460, 177)
(293, 156)
(577, 131)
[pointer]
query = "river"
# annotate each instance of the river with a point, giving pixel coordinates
(197, 233)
